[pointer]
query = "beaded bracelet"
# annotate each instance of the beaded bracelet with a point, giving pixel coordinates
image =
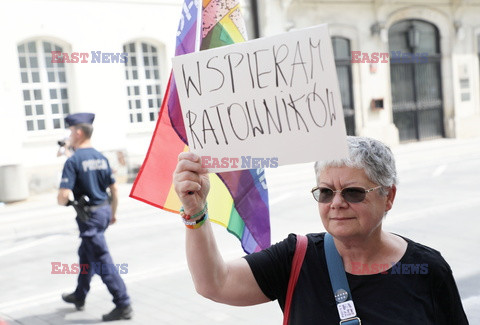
(197, 223)
(188, 217)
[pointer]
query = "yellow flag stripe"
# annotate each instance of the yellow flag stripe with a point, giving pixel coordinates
(219, 201)
(173, 202)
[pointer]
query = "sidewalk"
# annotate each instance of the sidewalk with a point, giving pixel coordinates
(437, 204)
(36, 232)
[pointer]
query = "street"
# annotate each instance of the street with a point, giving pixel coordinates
(437, 204)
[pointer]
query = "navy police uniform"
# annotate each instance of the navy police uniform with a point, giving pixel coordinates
(88, 173)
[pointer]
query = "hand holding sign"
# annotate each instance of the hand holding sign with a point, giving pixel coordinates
(263, 103)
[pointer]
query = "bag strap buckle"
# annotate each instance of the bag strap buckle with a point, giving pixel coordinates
(351, 321)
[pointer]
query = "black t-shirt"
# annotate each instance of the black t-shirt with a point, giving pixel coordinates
(88, 173)
(419, 289)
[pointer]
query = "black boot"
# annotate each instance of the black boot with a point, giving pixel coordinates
(70, 298)
(118, 313)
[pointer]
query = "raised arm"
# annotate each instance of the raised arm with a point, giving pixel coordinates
(231, 283)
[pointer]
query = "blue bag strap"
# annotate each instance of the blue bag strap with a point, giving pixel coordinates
(338, 279)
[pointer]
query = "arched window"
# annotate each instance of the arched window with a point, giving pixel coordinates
(44, 86)
(342, 53)
(142, 74)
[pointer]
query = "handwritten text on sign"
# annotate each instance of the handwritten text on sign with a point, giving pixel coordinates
(271, 97)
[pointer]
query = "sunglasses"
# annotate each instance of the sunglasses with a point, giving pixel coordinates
(350, 194)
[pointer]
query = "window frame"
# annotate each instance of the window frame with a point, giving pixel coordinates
(43, 69)
(144, 92)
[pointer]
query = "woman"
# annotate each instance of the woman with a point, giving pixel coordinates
(393, 280)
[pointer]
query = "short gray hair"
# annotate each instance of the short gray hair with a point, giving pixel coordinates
(371, 155)
(86, 128)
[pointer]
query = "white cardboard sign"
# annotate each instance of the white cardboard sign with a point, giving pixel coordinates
(263, 103)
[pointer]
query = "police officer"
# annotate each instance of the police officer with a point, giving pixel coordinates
(88, 175)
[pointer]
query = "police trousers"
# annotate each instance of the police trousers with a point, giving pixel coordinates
(93, 251)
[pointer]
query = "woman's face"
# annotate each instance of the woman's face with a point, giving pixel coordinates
(351, 220)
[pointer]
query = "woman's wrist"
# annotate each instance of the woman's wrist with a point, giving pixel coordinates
(197, 223)
(196, 220)
(193, 214)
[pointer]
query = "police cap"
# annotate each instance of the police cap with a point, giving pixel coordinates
(79, 118)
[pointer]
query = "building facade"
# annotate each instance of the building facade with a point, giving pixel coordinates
(427, 88)
(413, 76)
(37, 89)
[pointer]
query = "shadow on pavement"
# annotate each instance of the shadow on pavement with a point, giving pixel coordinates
(56, 317)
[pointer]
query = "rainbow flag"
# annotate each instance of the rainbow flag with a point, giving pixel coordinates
(237, 200)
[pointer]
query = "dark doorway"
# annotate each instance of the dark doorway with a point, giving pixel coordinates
(415, 75)
(343, 62)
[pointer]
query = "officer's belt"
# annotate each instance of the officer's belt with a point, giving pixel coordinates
(93, 208)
